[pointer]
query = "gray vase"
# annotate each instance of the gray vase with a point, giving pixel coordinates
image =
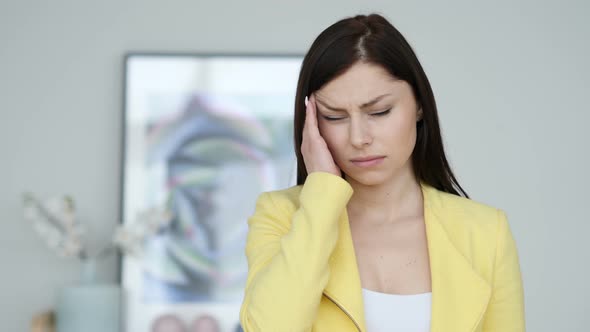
(89, 306)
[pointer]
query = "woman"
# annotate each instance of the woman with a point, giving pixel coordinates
(378, 235)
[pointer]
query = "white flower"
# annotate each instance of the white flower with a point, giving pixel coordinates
(56, 223)
(132, 237)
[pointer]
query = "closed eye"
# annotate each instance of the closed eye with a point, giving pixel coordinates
(381, 113)
(373, 114)
(331, 119)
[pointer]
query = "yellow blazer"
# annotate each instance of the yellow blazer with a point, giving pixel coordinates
(303, 275)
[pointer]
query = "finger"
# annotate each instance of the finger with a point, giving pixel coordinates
(309, 116)
(313, 117)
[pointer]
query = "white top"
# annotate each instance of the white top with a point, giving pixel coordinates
(393, 312)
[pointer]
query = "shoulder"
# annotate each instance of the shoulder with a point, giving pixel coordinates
(467, 207)
(463, 217)
(479, 231)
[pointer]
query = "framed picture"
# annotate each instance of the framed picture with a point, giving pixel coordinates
(203, 136)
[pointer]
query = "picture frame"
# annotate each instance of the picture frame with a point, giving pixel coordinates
(203, 136)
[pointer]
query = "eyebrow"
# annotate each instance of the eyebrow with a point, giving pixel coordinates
(362, 106)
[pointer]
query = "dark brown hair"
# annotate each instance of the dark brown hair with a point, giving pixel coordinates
(372, 39)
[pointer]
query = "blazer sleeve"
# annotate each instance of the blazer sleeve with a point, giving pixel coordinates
(288, 255)
(506, 308)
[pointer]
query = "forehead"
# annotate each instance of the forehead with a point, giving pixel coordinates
(361, 83)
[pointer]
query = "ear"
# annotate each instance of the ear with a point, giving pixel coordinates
(419, 114)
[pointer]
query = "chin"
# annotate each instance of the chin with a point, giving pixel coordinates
(369, 178)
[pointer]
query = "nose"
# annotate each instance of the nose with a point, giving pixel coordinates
(360, 133)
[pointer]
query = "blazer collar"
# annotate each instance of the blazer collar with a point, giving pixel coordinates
(459, 294)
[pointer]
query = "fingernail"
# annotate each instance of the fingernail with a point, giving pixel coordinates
(306, 100)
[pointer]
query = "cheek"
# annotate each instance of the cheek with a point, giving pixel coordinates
(335, 136)
(401, 131)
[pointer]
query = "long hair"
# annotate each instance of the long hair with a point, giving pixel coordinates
(372, 39)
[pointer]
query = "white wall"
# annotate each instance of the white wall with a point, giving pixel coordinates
(510, 79)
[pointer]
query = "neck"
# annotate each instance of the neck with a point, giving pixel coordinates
(394, 200)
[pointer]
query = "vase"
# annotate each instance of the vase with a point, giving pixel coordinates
(89, 306)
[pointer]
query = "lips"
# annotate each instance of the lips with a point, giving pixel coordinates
(371, 161)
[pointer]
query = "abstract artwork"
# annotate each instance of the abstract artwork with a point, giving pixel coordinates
(203, 136)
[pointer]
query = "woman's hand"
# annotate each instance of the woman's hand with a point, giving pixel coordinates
(316, 155)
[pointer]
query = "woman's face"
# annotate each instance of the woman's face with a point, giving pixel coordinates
(385, 126)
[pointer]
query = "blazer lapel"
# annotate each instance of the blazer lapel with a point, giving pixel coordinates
(344, 285)
(459, 294)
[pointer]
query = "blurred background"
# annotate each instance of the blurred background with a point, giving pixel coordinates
(510, 78)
